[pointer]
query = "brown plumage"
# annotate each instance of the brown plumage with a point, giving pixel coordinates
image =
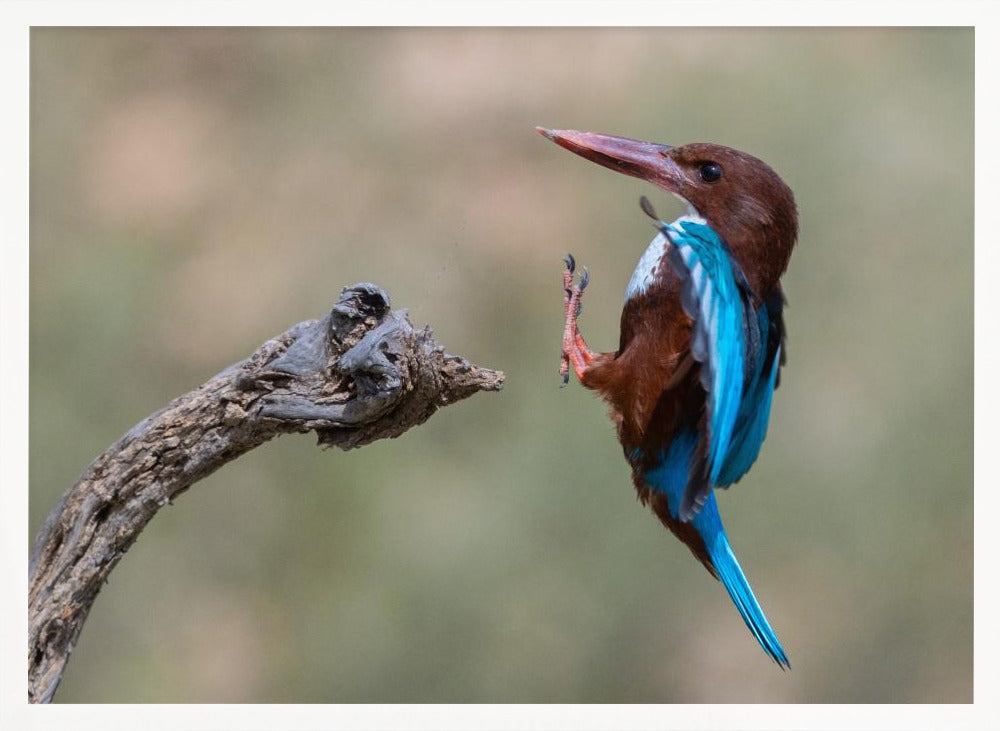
(651, 385)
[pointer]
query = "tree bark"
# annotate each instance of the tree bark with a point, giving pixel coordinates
(359, 374)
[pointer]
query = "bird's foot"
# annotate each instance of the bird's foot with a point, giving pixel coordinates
(575, 352)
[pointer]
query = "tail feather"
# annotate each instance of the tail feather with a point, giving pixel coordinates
(663, 486)
(732, 577)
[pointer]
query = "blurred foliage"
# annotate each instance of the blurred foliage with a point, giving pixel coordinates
(194, 192)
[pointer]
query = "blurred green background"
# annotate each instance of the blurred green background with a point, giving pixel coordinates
(194, 192)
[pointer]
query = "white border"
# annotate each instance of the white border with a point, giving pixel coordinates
(15, 20)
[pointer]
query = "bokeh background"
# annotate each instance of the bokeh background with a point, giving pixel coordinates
(194, 192)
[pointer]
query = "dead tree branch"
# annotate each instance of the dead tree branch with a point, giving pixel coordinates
(359, 374)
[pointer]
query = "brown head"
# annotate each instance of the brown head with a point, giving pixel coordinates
(739, 196)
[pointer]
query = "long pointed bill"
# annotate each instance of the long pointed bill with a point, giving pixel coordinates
(645, 160)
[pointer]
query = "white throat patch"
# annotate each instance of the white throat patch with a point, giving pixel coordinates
(645, 270)
(649, 262)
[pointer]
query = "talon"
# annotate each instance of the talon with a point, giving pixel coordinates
(576, 356)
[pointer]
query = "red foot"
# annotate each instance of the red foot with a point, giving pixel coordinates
(574, 347)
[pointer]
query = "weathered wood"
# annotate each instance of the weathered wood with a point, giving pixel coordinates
(359, 374)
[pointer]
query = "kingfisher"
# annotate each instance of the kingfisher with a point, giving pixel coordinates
(702, 339)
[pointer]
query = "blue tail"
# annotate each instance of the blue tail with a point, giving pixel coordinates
(709, 526)
(670, 477)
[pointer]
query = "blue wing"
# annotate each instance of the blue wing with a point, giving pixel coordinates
(762, 379)
(739, 347)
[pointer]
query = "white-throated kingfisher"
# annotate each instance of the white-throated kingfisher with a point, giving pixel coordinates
(702, 339)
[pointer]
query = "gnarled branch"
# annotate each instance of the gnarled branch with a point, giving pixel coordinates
(359, 374)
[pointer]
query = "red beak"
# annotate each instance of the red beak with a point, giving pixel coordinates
(646, 160)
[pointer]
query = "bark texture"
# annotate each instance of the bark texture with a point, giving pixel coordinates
(359, 374)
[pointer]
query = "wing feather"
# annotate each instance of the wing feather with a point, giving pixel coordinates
(738, 340)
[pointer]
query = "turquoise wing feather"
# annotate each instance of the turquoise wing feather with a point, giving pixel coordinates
(738, 368)
(755, 410)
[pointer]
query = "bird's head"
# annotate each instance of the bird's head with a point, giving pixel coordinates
(739, 196)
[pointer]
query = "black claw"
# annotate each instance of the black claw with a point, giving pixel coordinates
(584, 278)
(570, 263)
(565, 380)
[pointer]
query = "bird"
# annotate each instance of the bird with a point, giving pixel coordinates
(702, 339)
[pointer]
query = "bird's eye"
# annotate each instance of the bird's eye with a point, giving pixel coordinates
(710, 171)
